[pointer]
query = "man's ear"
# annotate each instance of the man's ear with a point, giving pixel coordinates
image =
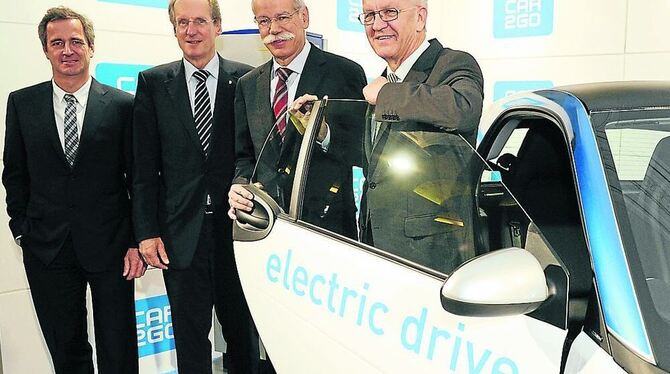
(421, 19)
(304, 16)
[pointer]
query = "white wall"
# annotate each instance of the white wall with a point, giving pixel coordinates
(566, 41)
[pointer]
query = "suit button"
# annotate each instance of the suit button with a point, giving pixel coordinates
(372, 185)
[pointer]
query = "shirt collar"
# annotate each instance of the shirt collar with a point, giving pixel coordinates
(298, 63)
(406, 65)
(212, 67)
(81, 94)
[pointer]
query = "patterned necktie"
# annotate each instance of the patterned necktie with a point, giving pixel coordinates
(391, 77)
(280, 102)
(203, 110)
(70, 133)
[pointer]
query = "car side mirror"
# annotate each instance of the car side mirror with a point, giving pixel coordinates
(504, 282)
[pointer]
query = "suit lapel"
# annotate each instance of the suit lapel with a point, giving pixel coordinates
(44, 104)
(225, 96)
(181, 102)
(266, 118)
(309, 82)
(95, 108)
(424, 65)
(312, 73)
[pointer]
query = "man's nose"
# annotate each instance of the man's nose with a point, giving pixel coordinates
(274, 27)
(190, 28)
(378, 23)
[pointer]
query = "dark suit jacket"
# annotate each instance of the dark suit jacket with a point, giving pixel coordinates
(172, 175)
(419, 216)
(47, 200)
(324, 74)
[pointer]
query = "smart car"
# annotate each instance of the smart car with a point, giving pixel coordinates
(568, 269)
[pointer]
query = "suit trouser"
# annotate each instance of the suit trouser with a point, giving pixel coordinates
(59, 295)
(210, 280)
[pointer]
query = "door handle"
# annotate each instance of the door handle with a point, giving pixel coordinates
(256, 224)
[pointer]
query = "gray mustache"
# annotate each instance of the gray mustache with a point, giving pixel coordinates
(279, 37)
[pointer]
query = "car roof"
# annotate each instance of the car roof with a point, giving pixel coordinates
(606, 96)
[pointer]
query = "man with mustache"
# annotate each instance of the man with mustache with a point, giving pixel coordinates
(296, 69)
(183, 144)
(426, 100)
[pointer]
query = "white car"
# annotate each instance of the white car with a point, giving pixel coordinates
(569, 270)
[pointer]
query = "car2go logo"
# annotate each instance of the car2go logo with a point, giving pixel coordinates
(154, 325)
(121, 76)
(147, 3)
(347, 15)
(520, 18)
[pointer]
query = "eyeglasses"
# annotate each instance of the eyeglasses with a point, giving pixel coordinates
(282, 20)
(386, 15)
(182, 24)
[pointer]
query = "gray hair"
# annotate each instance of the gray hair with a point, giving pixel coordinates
(297, 4)
(60, 13)
(213, 5)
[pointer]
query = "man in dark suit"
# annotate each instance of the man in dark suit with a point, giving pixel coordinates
(183, 144)
(297, 68)
(67, 163)
(427, 105)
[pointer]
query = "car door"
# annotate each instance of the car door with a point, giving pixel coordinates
(325, 302)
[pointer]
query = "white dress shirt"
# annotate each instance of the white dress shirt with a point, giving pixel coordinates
(191, 82)
(297, 66)
(59, 108)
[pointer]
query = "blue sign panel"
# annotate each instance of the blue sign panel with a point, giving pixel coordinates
(147, 3)
(347, 15)
(521, 18)
(154, 325)
(121, 76)
(505, 88)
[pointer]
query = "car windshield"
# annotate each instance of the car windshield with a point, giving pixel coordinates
(638, 145)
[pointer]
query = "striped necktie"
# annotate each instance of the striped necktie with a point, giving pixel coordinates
(280, 102)
(70, 133)
(391, 77)
(203, 110)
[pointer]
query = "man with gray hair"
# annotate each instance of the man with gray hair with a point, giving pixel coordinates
(67, 171)
(435, 95)
(183, 146)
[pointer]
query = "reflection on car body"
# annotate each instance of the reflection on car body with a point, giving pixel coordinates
(571, 270)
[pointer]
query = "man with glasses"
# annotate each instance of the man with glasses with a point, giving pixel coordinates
(435, 95)
(263, 96)
(183, 147)
(67, 166)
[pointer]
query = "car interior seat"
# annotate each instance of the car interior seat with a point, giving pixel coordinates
(649, 216)
(544, 185)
